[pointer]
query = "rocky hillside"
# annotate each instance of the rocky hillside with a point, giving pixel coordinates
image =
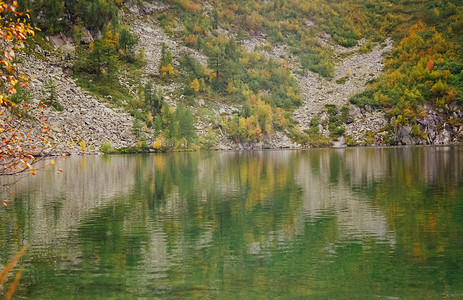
(86, 122)
(277, 94)
(353, 71)
(95, 122)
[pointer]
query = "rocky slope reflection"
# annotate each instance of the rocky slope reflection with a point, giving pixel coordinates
(313, 183)
(186, 223)
(56, 202)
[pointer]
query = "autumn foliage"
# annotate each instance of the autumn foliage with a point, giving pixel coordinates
(19, 148)
(430, 65)
(13, 32)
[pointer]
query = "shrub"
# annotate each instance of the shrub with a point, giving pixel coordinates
(341, 80)
(106, 147)
(363, 99)
(207, 140)
(337, 132)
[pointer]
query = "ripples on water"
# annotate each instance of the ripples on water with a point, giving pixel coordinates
(332, 223)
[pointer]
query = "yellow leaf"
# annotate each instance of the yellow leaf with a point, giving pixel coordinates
(52, 162)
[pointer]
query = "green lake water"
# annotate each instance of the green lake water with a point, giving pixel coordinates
(356, 223)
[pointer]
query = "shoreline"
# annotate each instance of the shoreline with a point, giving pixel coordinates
(96, 153)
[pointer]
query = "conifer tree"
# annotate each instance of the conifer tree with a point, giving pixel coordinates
(216, 58)
(215, 19)
(152, 99)
(127, 41)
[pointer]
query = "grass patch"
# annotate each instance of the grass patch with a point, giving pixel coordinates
(103, 87)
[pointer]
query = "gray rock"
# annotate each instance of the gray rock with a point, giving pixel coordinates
(443, 138)
(340, 143)
(402, 135)
(86, 37)
(354, 111)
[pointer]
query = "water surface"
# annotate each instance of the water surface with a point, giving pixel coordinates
(359, 223)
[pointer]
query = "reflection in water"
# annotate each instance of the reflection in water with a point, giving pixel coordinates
(331, 223)
(328, 178)
(56, 202)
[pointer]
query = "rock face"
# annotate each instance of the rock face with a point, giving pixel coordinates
(435, 130)
(364, 123)
(84, 118)
(403, 136)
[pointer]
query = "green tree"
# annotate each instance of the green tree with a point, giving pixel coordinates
(127, 41)
(97, 13)
(152, 99)
(55, 17)
(103, 56)
(187, 123)
(166, 56)
(216, 60)
(157, 125)
(215, 19)
(182, 125)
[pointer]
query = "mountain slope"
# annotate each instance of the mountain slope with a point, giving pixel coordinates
(268, 73)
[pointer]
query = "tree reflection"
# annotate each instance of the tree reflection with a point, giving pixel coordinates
(324, 223)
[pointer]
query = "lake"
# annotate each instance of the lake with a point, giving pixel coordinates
(355, 223)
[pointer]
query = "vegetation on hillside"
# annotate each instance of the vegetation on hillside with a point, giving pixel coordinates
(424, 68)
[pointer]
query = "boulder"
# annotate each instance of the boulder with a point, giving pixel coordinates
(402, 135)
(86, 37)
